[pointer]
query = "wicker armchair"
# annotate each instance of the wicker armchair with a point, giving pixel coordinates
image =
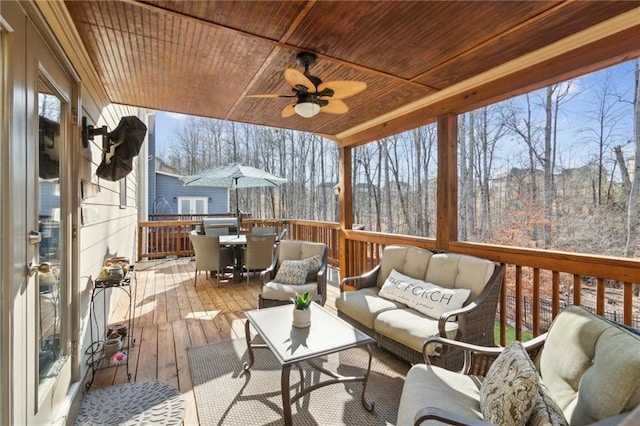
(209, 255)
(590, 367)
(259, 252)
(475, 320)
(273, 293)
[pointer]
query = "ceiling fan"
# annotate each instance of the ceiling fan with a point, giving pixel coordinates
(311, 94)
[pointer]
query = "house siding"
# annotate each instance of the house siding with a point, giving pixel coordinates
(169, 188)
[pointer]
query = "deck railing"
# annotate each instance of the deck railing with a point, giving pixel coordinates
(535, 281)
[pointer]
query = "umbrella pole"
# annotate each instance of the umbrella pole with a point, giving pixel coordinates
(237, 211)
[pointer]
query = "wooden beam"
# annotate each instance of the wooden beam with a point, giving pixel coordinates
(447, 185)
(345, 200)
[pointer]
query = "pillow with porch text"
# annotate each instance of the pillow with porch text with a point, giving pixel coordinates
(424, 297)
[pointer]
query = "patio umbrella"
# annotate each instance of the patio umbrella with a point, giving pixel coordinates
(234, 176)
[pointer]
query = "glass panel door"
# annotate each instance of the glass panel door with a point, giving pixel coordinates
(49, 303)
(200, 206)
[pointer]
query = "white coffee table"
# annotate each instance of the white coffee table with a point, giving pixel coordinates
(327, 334)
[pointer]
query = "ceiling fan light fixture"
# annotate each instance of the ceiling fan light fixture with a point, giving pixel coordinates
(306, 107)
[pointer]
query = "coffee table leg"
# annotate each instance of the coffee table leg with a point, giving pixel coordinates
(247, 334)
(367, 405)
(286, 397)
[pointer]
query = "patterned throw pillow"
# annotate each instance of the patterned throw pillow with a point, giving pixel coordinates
(545, 410)
(292, 272)
(314, 267)
(510, 388)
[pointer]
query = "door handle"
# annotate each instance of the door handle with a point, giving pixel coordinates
(34, 237)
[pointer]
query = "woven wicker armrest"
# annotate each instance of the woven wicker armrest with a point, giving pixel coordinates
(269, 273)
(431, 413)
(478, 359)
(368, 279)
(322, 277)
(479, 315)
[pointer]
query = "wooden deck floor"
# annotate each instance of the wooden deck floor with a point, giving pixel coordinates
(170, 315)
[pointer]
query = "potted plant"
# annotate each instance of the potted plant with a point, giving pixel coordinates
(301, 311)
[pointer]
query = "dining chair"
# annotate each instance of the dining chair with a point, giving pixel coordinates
(209, 255)
(258, 253)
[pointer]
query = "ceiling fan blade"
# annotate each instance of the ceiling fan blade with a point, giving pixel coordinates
(288, 111)
(335, 106)
(295, 77)
(342, 89)
(266, 95)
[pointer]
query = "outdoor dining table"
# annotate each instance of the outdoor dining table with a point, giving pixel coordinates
(236, 242)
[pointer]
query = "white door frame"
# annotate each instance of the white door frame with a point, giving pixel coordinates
(34, 54)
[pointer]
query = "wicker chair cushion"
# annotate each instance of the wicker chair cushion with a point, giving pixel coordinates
(298, 250)
(591, 366)
(427, 386)
(411, 261)
(426, 298)
(278, 291)
(453, 270)
(510, 388)
(364, 305)
(545, 410)
(292, 272)
(410, 327)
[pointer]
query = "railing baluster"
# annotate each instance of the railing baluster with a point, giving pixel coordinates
(600, 295)
(577, 289)
(518, 302)
(627, 303)
(555, 293)
(536, 301)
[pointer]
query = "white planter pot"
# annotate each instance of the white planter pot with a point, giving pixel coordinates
(301, 318)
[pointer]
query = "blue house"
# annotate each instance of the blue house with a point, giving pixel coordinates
(168, 195)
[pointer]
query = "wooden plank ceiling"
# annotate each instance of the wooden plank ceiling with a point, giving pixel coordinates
(418, 58)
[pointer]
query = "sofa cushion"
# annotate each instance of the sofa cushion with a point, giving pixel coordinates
(292, 272)
(426, 298)
(364, 305)
(545, 410)
(410, 327)
(510, 388)
(278, 291)
(430, 386)
(411, 261)
(473, 273)
(591, 366)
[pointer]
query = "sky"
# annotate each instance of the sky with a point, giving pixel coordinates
(168, 124)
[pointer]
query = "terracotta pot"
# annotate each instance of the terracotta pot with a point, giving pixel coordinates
(301, 318)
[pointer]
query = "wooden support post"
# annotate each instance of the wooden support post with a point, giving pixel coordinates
(447, 185)
(345, 200)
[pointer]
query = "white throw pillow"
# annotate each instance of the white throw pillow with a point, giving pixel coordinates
(292, 272)
(426, 298)
(509, 391)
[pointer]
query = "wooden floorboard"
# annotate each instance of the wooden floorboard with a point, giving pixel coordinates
(170, 314)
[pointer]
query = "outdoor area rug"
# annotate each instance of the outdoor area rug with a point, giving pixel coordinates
(142, 403)
(226, 395)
